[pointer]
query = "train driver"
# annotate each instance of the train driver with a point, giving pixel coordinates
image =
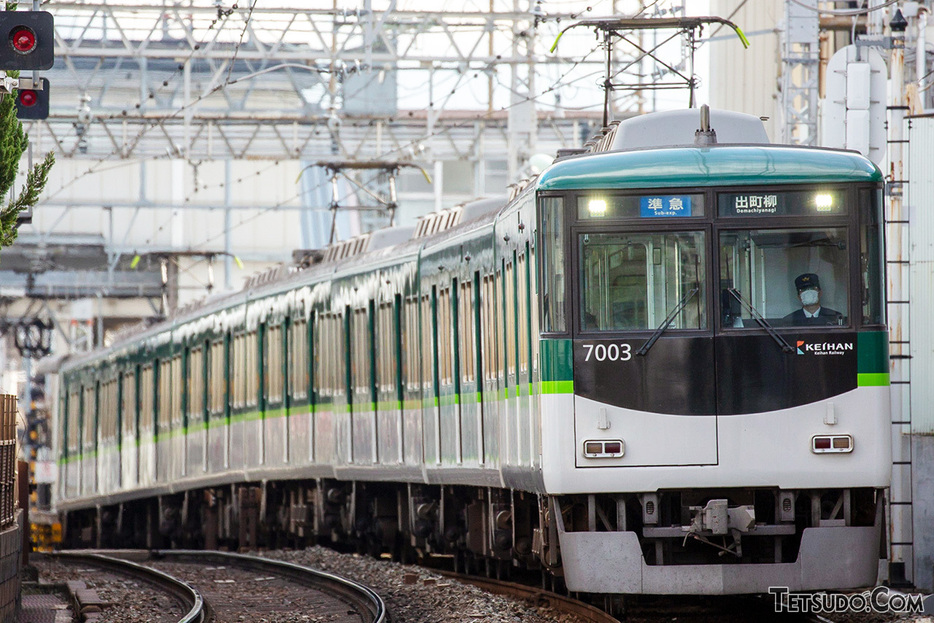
(811, 312)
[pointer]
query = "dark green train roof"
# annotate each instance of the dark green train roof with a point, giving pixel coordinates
(709, 166)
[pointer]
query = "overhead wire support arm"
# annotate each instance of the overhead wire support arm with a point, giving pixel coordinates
(336, 168)
(615, 27)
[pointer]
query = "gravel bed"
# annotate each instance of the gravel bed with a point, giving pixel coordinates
(432, 598)
(237, 595)
(128, 599)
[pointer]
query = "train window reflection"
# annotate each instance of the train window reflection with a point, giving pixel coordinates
(633, 281)
(769, 272)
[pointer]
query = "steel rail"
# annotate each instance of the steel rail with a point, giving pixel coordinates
(188, 595)
(364, 599)
(538, 596)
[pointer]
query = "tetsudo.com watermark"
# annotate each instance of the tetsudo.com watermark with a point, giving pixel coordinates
(879, 599)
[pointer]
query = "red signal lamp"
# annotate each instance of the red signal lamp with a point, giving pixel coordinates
(28, 98)
(23, 39)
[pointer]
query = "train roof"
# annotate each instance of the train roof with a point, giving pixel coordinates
(713, 165)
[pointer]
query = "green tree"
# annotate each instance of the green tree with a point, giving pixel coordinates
(13, 142)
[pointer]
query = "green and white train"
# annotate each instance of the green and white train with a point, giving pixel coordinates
(601, 377)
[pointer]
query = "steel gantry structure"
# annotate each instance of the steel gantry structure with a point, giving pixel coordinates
(160, 112)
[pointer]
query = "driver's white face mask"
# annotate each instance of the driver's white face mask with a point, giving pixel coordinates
(809, 297)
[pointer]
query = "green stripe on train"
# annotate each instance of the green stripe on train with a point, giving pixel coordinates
(877, 379)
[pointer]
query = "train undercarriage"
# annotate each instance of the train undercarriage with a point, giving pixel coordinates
(497, 531)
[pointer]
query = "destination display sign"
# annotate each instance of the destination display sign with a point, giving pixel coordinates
(604, 207)
(773, 203)
(665, 206)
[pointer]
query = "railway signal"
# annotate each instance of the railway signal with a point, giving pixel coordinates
(33, 103)
(27, 40)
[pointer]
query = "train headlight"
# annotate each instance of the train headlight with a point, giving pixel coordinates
(834, 444)
(597, 208)
(823, 202)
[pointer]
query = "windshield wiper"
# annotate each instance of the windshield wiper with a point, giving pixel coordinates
(785, 346)
(665, 323)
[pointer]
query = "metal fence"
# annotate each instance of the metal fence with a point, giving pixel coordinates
(8, 411)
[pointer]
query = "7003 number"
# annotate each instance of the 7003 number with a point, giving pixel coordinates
(607, 352)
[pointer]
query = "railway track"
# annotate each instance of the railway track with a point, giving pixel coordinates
(185, 594)
(338, 598)
(220, 587)
(539, 597)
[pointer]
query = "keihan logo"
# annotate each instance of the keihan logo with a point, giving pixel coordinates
(824, 348)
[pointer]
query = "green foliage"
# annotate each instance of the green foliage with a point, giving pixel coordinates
(13, 142)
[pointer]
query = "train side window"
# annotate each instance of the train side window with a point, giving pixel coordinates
(522, 311)
(509, 286)
(427, 344)
(90, 415)
(108, 426)
(196, 385)
(488, 328)
(871, 256)
(165, 394)
(386, 368)
(216, 380)
(322, 362)
(272, 359)
(445, 337)
(467, 344)
(74, 417)
(499, 293)
(128, 406)
(298, 347)
(251, 357)
(411, 370)
(360, 349)
(341, 353)
(553, 265)
(146, 399)
(177, 391)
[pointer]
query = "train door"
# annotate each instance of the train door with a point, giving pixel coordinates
(196, 422)
(388, 392)
(523, 356)
(490, 365)
(412, 374)
(510, 351)
(129, 448)
(147, 431)
(219, 439)
(363, 417)
(298, 392)
(470, 384)
(89, 419)
(326, 357)
(449, 407)
(431, 426)
(274, 434)
(644, 380)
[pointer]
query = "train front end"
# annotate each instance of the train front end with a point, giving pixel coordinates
(715, 396)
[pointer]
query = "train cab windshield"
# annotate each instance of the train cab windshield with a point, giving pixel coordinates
(786, 276)
(635, 281)
(730, 259)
